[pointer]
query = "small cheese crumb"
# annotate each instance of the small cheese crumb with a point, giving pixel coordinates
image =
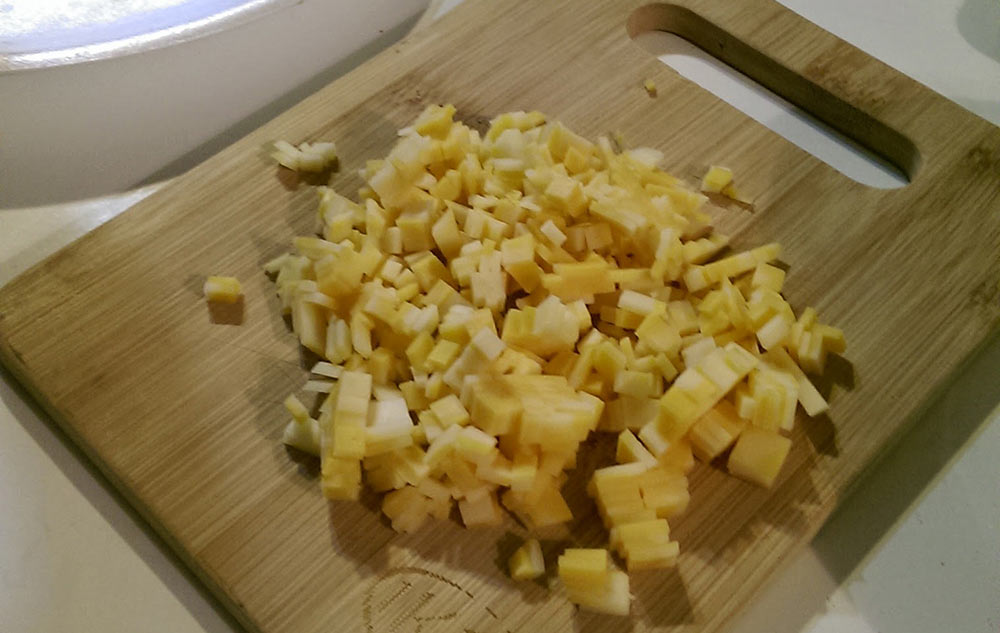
(650, 87)
(223, 289)
(307, 157)
(527, 562)
(716, 179)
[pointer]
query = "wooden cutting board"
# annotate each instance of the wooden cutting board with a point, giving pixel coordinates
(113, 338)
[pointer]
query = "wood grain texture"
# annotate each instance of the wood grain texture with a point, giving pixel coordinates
(113, 337)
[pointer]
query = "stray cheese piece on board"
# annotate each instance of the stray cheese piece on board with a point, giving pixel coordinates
(222, 289)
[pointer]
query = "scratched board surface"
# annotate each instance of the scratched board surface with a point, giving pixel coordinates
(184, 416)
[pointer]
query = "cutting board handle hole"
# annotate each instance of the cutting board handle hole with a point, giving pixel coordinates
(807, 115)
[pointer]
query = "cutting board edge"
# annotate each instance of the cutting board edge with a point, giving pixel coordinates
(10, 360)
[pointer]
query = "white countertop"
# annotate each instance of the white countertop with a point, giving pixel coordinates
(915, 549)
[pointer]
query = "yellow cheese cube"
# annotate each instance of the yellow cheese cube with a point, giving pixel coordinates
(637, 384)
(583, 567)
(658, 335)
(768, 276)
(419, 349)
(715, 431)
(682, 315)
(497, 472)
(775, 394)
(381, 366)
(758, 456)
(304, 435)
(576, 161)
(348, 441)
(572, 281)
(415, 231)
(608, 360)
(527, 562)
(442, 355)
(495, 408)
(701, 250)
(480, 510)
(716, 179)
(523, 470)
(435, 121)
(340, 478)
(547, 506)
(446, 235)
(309, 322)
(775, 332)
(833, 338)
(567, 195)
(631, 450)
(361, 334)
(664, 491)
(646, 544)
(714, 367)
(449, 411)
(679, 410)
(296, 408)
(448, 187)
(354, 395)
(476, 446)
(812, 401)
(488, 289)
(428, 270)
(223, 289)
(603, 591)
(630, 413)
(406, 508)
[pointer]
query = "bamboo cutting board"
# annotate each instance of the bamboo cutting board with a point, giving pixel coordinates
(113, 338)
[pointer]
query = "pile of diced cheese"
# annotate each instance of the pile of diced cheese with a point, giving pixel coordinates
(494, 299)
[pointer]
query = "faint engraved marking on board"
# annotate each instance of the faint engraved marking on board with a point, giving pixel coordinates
(414, 600)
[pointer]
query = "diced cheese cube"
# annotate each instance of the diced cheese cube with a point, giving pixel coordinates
(340, 478)
(296, 408)
(637, 384)
(527, 562)
(658, 335)
(583, 567)
(523, 470)
(768, 276)
(664, 491)
(758, 456)
(476, 446)
(646, 544)
(480, 510)
(630, 413)
(602, 590)
(348, 441)
(442, 355)
(449, 411)
(715, 431)
(775, 332)
(631, 450)
(547, 507)
(812, 401)
(303, 435)
(309, 322)
(495, 408)
(223, 289)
